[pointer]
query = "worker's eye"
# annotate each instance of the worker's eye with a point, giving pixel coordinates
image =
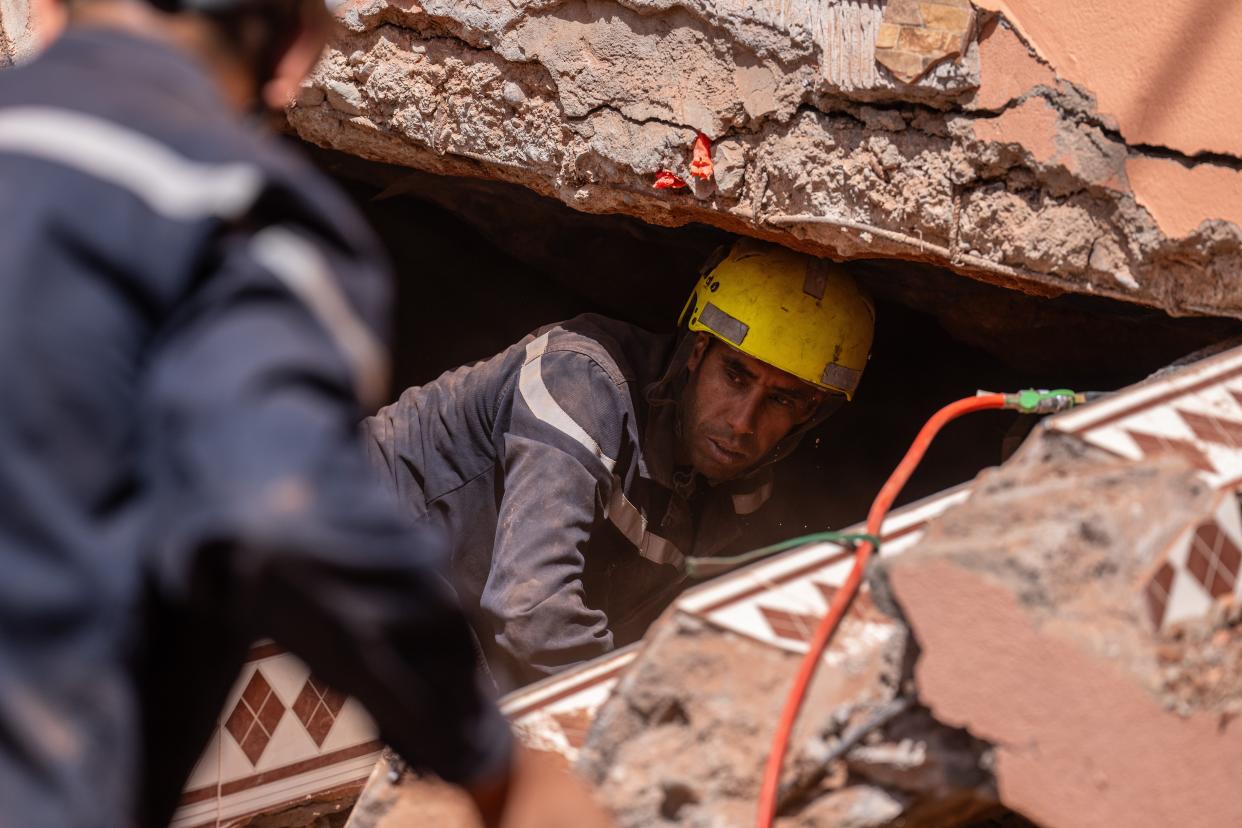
(782, 400)
(734, 377)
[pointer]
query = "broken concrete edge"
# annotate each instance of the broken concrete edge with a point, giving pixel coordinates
(14, 31)
(991, 631)
(1027, 188)
(1047, 652)
(836, 238)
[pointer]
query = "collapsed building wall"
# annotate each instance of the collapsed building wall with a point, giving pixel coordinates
(1061, 640)
(823, 137)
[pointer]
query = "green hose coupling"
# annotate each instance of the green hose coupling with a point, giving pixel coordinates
(1043, 401)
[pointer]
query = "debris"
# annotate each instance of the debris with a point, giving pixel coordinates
(1045, 650)
(917, 34)
(1049, 198)
(667, 180)
(344, 97)
(701, 163)
(1043, 687)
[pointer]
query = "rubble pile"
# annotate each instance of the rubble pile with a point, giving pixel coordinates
(1013, 665)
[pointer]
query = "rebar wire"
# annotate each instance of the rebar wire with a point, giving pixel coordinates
(957, 257)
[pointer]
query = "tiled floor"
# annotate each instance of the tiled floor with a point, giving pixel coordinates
(1200, 567)
(1195, 412)
(283, 736)
(780, 601)
(554, 714)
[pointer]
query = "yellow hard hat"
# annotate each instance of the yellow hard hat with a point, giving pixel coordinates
(803, 315)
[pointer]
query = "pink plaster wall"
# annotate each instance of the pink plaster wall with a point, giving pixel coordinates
(1169, 71)
(1080, 743)
(1179, 197)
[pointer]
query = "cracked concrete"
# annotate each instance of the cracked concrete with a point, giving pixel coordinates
(1005, 667)
(16, 31)
(1094, 718)
(991, 163)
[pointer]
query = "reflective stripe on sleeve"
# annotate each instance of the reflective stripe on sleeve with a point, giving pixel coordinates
(168, 183)
(541, 403)
(300, 266)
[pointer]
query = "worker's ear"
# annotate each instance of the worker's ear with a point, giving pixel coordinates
(697, 351)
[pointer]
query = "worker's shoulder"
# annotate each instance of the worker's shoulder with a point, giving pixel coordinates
(131, 113)
(619, 349)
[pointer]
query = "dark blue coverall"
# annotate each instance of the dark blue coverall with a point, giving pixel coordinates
(552, 466)
(187, 318)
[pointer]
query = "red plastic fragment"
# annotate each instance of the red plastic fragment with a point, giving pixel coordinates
(665, 180)
(701, 163)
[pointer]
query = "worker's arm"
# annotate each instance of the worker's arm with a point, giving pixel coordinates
(568, 425)
(276, 527)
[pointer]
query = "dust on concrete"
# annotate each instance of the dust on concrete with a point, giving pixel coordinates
(1200, 665)
(1070, 530)
(1028, 605)
(684, 737)
(586, 100)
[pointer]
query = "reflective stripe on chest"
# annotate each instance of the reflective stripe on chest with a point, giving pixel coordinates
(633, 524)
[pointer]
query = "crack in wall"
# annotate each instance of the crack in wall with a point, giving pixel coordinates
(990, 205)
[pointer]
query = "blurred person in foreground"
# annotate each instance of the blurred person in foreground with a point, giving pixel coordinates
(188, 323)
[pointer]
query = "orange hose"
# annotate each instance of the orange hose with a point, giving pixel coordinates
(845, 595)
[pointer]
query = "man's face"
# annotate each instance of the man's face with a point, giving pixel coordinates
(735, 409)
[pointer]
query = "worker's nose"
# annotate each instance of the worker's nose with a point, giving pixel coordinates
(743, 415)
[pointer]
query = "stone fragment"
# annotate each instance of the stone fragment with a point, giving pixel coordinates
(857, 806)
(1044, 650)
(903, 13)
(906, 65)
(914, 36)
(309, 95)
(730, 166)
(345, 97)
(887, 35)
(946, 17)
(882, 119)
(513, 93)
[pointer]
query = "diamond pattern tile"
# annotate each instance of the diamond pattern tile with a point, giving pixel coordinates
(316, 707)
(1214, 560)
(1195, 412)
(255, 716)
(575, 724)
(1151, 445)
(792, 625)
(1157, 593)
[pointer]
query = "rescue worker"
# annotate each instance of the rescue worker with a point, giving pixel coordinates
(575, 470)
(188, 321)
